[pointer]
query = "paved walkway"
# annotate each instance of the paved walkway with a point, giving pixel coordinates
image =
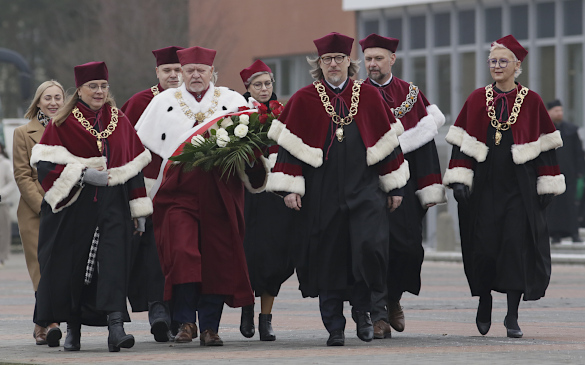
(440, 329)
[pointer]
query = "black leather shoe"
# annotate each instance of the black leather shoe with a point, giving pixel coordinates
(485, 306)
(53, 335)
(265, 327)
(117, 337)
(364, 326)
(73, 338)
(247, 321)
(336, 338)
(512, 332)
(160, 329)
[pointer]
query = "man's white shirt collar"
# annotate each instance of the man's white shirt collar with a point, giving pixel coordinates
(334, 87)
(386, 83)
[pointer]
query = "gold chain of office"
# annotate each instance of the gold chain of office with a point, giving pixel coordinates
(99, 135)
(155, 90)
(407, 104)
(199, 117)
(491, 111)
(341, 122)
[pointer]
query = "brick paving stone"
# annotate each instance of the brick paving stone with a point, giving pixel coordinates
(440, 328)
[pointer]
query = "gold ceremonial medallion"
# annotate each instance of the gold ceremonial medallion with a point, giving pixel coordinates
(491, 111)
(99, 135)
(199, 116)
(155, 90)
(355, 99)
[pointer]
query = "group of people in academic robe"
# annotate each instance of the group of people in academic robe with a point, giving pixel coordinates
(340, 197)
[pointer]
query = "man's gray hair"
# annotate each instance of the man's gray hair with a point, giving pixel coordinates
(317, 73)
(497, 45)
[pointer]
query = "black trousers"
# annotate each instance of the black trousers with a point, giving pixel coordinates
(331, 305)
(188, 303)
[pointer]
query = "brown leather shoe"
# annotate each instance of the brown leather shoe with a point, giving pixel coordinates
(210, 338)
(40, 335)
(187, 332)
(396, 316)
(382, 330)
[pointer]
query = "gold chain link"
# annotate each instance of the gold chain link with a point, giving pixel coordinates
(155, 90)
(198, 116)
(491, 111)
(99, 135)
(355, 99)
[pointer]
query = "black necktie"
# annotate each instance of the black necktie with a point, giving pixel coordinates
(337, 90)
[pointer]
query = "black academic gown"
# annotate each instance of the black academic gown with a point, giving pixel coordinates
(504, 236)
(270, 238)
(562, 212)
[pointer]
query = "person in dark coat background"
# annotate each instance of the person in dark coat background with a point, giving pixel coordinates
(504, 173)
(561, 215)
(270, 225)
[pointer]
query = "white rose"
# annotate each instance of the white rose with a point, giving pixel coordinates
(244, 119)
(241, 130)
(197, 140)
(221, 132)
(226, 122)
(222, 140)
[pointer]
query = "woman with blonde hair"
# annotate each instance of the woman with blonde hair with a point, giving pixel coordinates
(89, 162)
(48, 100)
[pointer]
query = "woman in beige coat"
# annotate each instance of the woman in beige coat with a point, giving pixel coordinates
(47, 101)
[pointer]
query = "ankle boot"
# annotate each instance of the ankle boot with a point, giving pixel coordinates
(73, 339)
(265, 327)
(117, 337)
(247, 321)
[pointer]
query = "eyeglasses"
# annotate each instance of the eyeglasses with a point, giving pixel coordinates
(502, 62)
(338, 59)
(258, 85)
(94, 87)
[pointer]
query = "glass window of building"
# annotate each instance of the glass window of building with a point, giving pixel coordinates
(419, 68)
(394, 28)
(467, 84)
(546, 73)
(466, 26)
(442, 30)
(418, 32)
(574, 80)
(493, 24)
(397, 68)
(573, 17)
(443, 65)
(371, 26)
(519, 21)
(523, 78)
(545, 18)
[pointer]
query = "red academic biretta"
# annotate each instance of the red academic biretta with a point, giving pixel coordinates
(198, 55)
(166, 55)
(334, 43)
(377, 41)
(90, 71)
(257, 66)
(513, 45)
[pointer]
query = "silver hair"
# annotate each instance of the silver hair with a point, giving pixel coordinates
(317, 73)
(249, 81)
(497, 45)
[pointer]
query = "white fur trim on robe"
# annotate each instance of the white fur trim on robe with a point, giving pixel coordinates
(63, 185)
(272, 160)
(395, 179)
(278, 181)
(120, 175)
(246, 180)
(423, 132)
(432, 194)
(522, 153)
(383, 147)
(461, 175)
(61, 156)
(548, 184)
(141, 207)
(467, 144)
(293, 144)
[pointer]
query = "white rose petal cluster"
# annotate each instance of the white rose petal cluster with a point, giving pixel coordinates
(197, 140)
(226, 122)
(244, 119)
(221, 132)
(222, 140)
(241, 130)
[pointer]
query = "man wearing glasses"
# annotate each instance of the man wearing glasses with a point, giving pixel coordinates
(421, 121)
(341, 166)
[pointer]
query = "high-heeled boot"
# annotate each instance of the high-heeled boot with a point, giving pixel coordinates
(73, 339)
(117, 337)
(265, 327)
(247, 321)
